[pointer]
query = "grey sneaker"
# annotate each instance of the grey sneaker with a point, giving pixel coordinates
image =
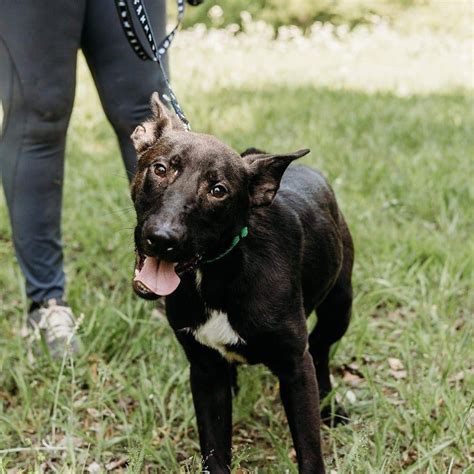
(53, 319)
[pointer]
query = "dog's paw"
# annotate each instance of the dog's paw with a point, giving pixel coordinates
(334, 415)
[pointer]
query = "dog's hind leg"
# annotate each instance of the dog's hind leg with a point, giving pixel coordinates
(333, 314)
(333, 320)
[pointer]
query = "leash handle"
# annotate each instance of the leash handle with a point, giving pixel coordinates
(156, 51)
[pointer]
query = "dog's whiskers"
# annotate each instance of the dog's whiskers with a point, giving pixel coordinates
(127, 173)
(118, 211)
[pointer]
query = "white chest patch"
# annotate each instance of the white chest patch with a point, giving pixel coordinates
(217, 333)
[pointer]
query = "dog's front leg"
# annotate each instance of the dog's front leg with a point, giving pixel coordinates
(211, 388)
(299, 394)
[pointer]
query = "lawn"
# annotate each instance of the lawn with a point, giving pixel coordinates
(389, 117)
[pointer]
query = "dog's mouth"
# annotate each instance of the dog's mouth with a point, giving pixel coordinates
(154, 277)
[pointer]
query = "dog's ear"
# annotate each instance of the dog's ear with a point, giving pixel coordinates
(144, 136)
(149, 132)
(265, 172)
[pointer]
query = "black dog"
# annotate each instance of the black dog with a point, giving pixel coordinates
(242, 266)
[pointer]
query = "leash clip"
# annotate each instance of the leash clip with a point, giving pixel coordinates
(177, 110)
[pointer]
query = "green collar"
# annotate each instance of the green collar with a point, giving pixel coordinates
(243, 233)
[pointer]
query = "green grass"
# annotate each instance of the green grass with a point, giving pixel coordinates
(400, 160)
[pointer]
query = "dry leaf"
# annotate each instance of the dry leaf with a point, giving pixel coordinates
(396, 401)
(399, 374)
(396, 314)
(353, 367)
(459, 323)
(116, 464)
(352, 379)
(70, 440)
(94, 371)
(94, 412)
(409, 456)
(395, 364)
(94, 468)
(459, 377)
(350, 396)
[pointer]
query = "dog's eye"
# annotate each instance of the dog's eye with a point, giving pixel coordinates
(218, 191)
(160, 170)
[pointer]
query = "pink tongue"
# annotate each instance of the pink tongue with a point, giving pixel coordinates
(158, 276)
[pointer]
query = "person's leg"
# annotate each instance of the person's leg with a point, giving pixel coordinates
(125, 82)
(38, 48)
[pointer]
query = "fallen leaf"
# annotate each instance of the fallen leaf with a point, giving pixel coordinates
(94, 468)
(399, 374)
(458, 377)
(350, 396)
(395, 364)
(396, 401)
(352, 379)
(353, 367)
(94, 412)
(459, 323)
(116, 464)
(70, 440)
(409, 456)
(94, 369)
(106, 412)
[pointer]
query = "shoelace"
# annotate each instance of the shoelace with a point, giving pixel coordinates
(57, 320)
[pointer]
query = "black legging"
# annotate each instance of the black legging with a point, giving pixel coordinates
(39, 41)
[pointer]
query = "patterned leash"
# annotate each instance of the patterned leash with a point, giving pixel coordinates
(157, 52)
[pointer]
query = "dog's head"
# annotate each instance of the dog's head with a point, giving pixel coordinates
(192, 195)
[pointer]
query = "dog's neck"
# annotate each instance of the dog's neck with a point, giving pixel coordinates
(215, 276)
(235, 241)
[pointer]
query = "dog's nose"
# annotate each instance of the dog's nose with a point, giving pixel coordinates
(161, 240)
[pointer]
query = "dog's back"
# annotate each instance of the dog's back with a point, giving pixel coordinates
(305, 211)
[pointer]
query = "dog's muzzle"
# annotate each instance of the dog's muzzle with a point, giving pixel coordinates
(154, 277)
